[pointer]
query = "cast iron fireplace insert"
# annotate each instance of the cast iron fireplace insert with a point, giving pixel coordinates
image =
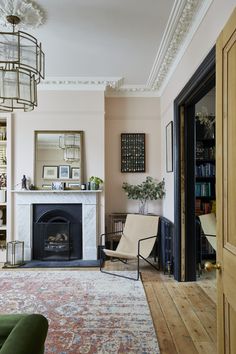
(57, 232)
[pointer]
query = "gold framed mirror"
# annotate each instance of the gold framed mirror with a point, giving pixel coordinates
(58, 159)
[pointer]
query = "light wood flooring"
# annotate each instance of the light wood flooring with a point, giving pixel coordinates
(184, 314)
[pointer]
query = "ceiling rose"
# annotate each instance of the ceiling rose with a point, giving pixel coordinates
(30, 14)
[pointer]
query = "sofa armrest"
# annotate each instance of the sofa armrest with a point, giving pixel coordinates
(27, 337)
(8, 322)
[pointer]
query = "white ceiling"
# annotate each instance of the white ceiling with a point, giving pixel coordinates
(124, 45)
(103, 38)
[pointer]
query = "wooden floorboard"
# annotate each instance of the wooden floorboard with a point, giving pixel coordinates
(184, 314)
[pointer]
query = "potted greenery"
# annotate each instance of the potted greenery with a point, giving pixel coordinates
(150, 189)
(95, 182)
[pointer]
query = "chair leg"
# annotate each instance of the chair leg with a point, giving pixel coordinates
(145, 259)
(119, 275)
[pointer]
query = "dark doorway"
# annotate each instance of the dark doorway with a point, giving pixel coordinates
(184, 168)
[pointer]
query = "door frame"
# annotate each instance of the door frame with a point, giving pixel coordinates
(184, 167)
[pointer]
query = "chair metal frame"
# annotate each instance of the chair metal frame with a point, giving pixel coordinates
(125, 260)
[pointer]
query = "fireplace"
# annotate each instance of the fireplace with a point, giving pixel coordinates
(25, 216)
(57, 232)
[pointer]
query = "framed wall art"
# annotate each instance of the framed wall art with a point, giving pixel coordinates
(133, 152)
(169, 147)
(75, 172)
(64, 172)
(50, 172)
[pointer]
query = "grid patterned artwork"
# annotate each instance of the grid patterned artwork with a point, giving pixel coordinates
(133, 152)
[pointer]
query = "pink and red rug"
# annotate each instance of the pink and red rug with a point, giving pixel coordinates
(88, 312)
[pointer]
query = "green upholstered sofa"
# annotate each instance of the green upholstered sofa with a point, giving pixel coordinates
(22, 334)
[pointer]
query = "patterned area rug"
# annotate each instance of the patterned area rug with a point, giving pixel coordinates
(89, 312)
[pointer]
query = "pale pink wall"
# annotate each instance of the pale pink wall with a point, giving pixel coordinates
(63, 110)
(202, 42)
(131, 115)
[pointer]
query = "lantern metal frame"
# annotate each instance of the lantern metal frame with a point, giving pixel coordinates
(70, 143)
(16, 72)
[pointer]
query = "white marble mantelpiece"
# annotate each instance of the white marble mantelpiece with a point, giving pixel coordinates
(25, 200)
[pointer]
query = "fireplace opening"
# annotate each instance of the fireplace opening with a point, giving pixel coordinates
(57, 232)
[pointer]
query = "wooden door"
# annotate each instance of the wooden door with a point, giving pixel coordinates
(226, 186)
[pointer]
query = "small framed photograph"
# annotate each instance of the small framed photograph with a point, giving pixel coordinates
(64, 172)
(47, 186)
(50, 172)
(169, 147)
(75, 173)
(74, 185)
(58, 186)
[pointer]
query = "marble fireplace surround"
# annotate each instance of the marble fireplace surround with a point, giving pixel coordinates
(24, 216)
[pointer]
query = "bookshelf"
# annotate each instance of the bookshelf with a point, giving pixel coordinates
(205, 196)
(116, 224)
(5, 183)
(204, 176)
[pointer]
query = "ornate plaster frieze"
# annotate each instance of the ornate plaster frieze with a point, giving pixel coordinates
(131, 90)
(75, 83)
(185, 17)
(30, 14)
(182, 17)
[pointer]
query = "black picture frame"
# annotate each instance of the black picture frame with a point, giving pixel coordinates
(75, 173)
(169, 147)
(50, 172)
(133, 152)
(64, 171)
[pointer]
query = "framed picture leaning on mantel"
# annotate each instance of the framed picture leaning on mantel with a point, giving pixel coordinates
(169, 147)
(133, 152)
(50, 172)
(75, 173)
(64, 172)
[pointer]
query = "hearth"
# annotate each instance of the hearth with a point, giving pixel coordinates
(57, 232)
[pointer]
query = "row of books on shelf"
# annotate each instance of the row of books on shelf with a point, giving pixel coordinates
(203, 189)
(204, 207)
(205, 170)
(118, 225)
(204, 153)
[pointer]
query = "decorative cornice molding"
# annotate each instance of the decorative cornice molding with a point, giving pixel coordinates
(78, 83)
(182, 17)
(30, 14)
(185, 17)
(132, 91)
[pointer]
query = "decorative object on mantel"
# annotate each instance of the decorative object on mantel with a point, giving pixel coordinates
(133, 152)
(24, 182)
(95, 182)
(32, 187)
(15, 254)
(22, 58)
(58, 186)
(70, 143)
(150, 189)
